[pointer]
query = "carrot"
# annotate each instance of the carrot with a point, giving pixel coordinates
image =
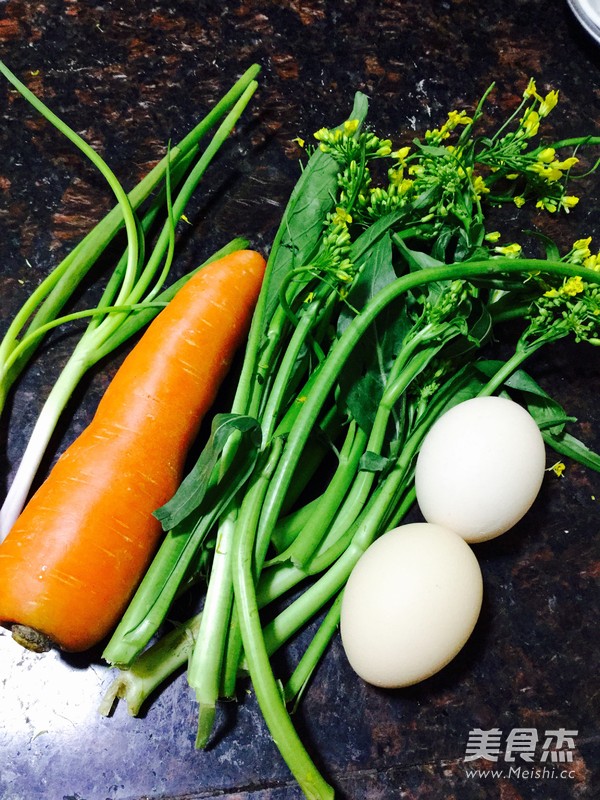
(76, 553)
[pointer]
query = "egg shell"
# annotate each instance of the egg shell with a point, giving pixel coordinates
(480, 468)
(410, 604)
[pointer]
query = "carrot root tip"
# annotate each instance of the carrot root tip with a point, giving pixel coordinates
(31, 639)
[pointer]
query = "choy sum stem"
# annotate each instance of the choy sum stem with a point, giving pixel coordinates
(377, 304)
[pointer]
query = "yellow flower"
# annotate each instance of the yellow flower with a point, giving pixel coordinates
(299, 141)
(479, 186)
(341, 216)
(557, 469)
(493, 236)
(509, 250)
(548, 103)
(568, 201)
(396, 176)
(457, 118)
(322, 134)
(519, 201)
(549, 172)
(552, 173)
(350, 127)
(547, 155)
(592, 262)
(573, 286)
(531, 90)
(570, 288)
(567, 163)
(581, 248)
(401, 154)
(437, 134)
(531, 123)
(398, 180)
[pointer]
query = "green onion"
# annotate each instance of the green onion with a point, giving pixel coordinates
(133, 294)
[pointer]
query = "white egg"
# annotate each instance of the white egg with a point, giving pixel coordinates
(480, 468)
(410, 604)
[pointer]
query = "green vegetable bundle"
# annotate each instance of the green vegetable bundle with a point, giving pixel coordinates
(386, 291)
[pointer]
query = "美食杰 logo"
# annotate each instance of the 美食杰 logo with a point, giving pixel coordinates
(520, 753)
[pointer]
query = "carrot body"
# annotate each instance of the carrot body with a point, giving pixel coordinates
(75, 555)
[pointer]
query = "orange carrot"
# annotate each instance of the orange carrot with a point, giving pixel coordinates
(75, 555)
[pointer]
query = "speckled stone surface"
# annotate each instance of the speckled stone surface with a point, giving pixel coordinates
(129, 76)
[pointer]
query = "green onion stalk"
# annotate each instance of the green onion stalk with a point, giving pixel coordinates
(135, 291)
(379, 311)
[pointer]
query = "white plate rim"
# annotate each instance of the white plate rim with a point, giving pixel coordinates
(588, 15)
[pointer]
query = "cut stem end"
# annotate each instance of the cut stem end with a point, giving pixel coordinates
(31, 639)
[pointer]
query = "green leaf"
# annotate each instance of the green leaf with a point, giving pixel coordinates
(441, 244)
(550, 247)
(300, 231)
(547, 412)
(463, 385)
(199, 480)
(480, 324)
(363, 399)
(432, 150)
(416, 259)
(375, 271)
(477, 234)
(373, 462)
(466, 243)
(426, 198)
(478, 328)
(360, 108)
(567, 445)
(368, 238)
(364, 377)
(301, 227)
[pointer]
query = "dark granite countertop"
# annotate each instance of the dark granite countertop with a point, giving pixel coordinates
(130, 76)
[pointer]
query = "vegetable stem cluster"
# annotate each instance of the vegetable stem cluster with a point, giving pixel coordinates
(379, 311)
